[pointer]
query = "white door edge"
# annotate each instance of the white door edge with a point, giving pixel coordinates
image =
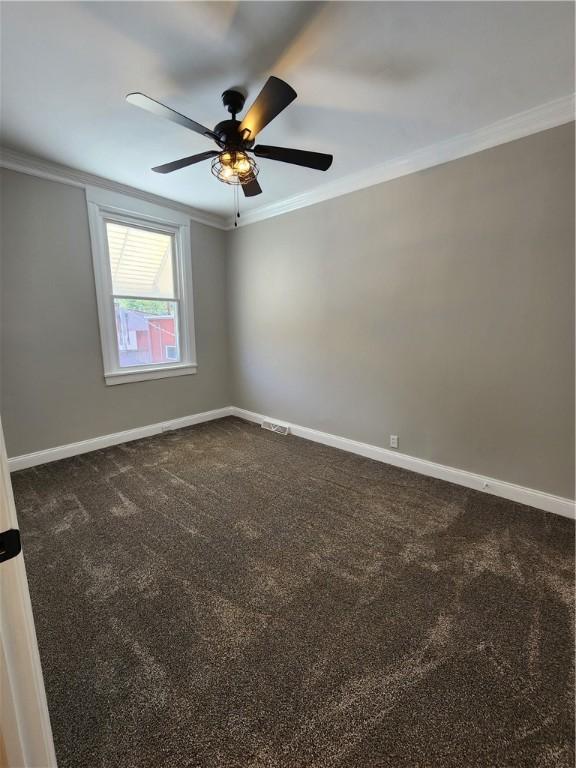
(24, 718)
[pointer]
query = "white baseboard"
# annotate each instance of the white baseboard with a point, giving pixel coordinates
(529, 496)
(104, 441)
(532, 498)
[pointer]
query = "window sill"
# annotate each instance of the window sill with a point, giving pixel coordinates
(144, 374)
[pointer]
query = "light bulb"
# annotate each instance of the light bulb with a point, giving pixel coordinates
(234, 166)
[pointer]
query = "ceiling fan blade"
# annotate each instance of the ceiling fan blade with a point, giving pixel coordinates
(252, 188)
(316, 160)
(150, 105)
(185, 161)
(272, 99)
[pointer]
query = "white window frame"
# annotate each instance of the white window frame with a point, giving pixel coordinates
(106, 206)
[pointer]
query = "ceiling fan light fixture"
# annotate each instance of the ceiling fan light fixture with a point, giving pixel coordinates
(234, 167)
(234, 138)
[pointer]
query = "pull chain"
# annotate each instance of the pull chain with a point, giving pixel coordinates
(236, 204)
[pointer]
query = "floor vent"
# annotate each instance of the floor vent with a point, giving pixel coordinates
(280, 429)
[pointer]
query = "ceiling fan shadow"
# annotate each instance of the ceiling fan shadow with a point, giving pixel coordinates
(257, 37)
(189, 38)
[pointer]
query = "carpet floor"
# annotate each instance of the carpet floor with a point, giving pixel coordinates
(223, 597)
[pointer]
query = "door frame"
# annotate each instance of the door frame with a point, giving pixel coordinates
(24, 719)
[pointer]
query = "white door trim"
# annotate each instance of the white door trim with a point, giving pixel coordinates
(24, 717)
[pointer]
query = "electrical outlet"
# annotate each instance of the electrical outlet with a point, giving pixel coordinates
(393, 441)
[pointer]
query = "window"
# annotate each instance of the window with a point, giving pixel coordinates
(171, 352)
(143, 277)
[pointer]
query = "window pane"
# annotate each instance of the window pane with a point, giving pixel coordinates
(146, 332)
(140, 261)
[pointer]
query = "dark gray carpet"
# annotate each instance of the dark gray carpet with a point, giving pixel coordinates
(224, 596)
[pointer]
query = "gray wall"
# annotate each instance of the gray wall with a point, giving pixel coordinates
(438, 306)
(52, 384)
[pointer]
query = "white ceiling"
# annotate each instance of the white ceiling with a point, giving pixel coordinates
(375, 81)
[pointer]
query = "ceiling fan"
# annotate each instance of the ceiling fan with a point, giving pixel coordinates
(231, 162)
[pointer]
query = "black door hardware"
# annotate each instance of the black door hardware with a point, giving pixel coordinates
(9, 544)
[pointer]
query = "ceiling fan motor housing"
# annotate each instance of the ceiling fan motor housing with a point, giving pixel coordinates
(228, 132)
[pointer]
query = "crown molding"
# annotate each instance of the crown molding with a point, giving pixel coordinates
(541, 118)
(46, 169)
(549, 115)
